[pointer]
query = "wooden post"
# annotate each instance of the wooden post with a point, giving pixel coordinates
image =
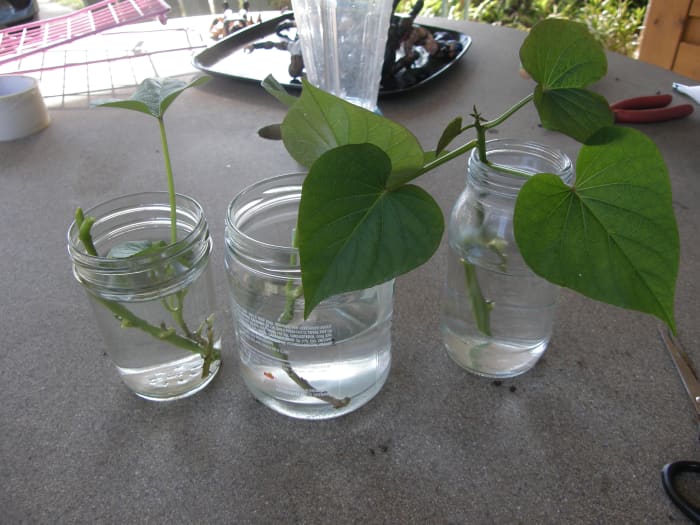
(671, 36)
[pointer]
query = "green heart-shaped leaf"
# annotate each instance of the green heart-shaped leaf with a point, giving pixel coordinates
(353, 232)
(319, 121)
(613, 236)
(563, 58)
(154, 95)
(562, 54)
(576, 112)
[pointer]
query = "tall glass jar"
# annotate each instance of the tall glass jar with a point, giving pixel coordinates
(343, 45)
(322, 367)
(497, 315)
(153, 299)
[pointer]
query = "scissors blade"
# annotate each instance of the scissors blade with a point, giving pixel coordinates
(680, 359)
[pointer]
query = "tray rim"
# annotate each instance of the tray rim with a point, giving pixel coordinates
(235, 41)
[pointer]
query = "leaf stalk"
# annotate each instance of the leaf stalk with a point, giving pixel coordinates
(171, 180)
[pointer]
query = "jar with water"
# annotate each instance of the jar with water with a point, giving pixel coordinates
(153, 296)
(497, 315)
(321, 367)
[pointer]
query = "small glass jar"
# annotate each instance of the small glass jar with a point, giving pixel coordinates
(497, 315)
(154, 308)
(322, 367)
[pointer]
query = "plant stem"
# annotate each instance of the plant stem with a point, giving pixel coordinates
(446, 158)
(171, 181)
(129, 320)
(480, 306)
(480, 137)
(499, 120)
(292, 293)
(480, 141)
(176, 308)
(84, 226)
(204, 346)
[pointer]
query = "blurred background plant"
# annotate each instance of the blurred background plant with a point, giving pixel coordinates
(616, 23)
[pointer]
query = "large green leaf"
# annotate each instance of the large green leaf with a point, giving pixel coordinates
(353, 232)
(562, 54)
(576, 112)
(154, 95)
(319, 121)
(613, 236)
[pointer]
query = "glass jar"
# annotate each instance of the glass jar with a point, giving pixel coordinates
(497, 315)
(322, 367)
(343, 46)
(153, 300)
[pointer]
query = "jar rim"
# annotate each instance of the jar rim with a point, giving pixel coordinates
(268, 185)
(527, 157)
(110, 206)
(524, 146)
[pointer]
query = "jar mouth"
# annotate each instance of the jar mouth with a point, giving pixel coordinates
(245, 211)
(191, 224)
(527, 157)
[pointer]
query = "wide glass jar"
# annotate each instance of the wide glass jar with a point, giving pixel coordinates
(153, 299)
(497, 315)
(322, 367)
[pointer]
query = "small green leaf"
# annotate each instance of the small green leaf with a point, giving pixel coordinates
(452, 131)
(135, 248)
(613, 237)
(562, 54)
(154, 95)
(274, 88)
(353, 232)
(319, 121)
(578, 113)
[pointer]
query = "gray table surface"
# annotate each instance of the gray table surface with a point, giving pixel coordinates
(581, 438)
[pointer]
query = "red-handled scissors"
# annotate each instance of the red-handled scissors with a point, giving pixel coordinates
(673, 470)
(654, 108)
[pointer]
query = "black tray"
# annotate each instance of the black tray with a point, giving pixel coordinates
(228, 58)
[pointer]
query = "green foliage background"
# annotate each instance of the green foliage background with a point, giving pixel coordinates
(615, 23)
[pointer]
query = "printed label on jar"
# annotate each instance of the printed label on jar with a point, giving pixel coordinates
(306, 334)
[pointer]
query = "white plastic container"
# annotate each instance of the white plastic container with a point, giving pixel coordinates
(22, 108)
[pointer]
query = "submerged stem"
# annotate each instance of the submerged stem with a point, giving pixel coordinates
(192, 342)
(292, 294)
(481, 307)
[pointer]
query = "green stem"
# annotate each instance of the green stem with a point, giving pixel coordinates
(480, 141)
(196, 343)
(499, 120)
(481, 307)
(128, 319)
(84, 227)
(171, 181)
(445, 158)
(480, 138)
(292, 293)
(177, 309)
